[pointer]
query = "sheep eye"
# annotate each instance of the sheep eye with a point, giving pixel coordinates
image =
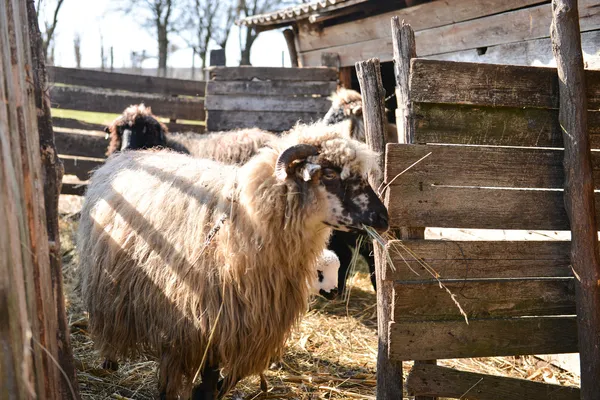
(330, 174)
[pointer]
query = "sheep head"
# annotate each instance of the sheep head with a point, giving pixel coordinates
(136, 128)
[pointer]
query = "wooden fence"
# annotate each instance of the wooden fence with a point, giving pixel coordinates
(490, 150)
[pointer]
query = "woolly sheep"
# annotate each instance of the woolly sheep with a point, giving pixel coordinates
(160, 278)
(326, 280)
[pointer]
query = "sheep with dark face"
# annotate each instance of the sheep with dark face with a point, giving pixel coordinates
(159, 278)
(137, 128)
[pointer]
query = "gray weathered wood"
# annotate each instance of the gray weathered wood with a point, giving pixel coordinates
(290, 40)
(448, 382)
(493, 126)
(483, 298)
(579, 187)
(267, 103)
(269, 120)
(71, 123)
(129, 82)
(404, 51)
(73, 98)
(79, 144)
(76, 189)
(273, 73)
(389, 373)
(270, 88)
(482, 338)
(81, 167)
(330, 60)
(478, 259)
(492, 85)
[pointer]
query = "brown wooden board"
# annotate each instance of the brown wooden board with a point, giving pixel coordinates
(81, 167)
(483, 298)
(267, 103)
(74, 98)
(269, 120)
(447, 382)
(273, 74)
(71, 123)
(499, 126)
(477, 259)
(78, 144)
(474, 187)
(482, 338)
(129, 82)
(269, 88)
(494, 85)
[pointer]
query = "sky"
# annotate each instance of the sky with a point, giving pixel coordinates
(98, 19)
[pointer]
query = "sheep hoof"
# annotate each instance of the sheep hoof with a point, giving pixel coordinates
(264, 386)
(110, 365)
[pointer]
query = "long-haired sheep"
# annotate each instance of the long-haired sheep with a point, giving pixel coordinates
(137, 128)
(205, 265)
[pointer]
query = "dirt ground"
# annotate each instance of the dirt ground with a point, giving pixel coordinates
(331, 356)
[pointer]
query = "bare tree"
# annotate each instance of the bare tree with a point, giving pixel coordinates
(49, 25)
(102, 54)
(158, 16)
(77, 49)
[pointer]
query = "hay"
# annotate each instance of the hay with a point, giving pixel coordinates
(331, 356)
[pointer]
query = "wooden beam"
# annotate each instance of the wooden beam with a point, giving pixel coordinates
(449, 382)
(579, 189)
(272, 73)
(269, 88)
(290, 40)
(288, 104)
(389, 373)
(330, 60)
(270, 120)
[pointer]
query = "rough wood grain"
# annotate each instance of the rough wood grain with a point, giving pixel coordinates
(579, 187)
(404, 51)
(269, 120)
(448, 382)
(273, 74)
(267, 103)
(73, 98)
(424, 300)
(482, 338)
(269, 88)
(128, 82)
(478, 259)
(492, 85)
(71, 123)
(493, 126)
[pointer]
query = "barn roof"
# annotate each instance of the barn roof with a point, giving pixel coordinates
(310, 11)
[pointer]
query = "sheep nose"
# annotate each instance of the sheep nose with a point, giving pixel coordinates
(331, 295)
(381, 222)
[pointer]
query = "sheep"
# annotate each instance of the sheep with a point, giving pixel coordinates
(138, 128)
(325, 281)
(204, 266)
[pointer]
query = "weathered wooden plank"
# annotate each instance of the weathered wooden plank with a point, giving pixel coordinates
(267, 103)
(129, 82)
(482, 338)
(71, 123)
(494, 85)
(76, 189)
(269, 88)
(269, 120)
(493, 126)
(448, 382)
(273, 74)
(477, 166)
(420, 17)
(478, 259)
(78, 144)
(483, 298)
(73, 98)
(81, 167)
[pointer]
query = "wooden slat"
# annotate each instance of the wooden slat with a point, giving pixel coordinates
(80, 166)
(435, 81)
(76, 144)
(434, 380)
(73, 188)
(73, 98)
(129, 82)
(478, 259)
(500, 126)
(177, 127)
(267, 103)
(71, 123)
(269, 88)
(273, 74)
(482, 338)
(420, 17)
(483, 298)
(269, 120)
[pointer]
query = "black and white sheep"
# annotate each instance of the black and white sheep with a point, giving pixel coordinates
(159, 278)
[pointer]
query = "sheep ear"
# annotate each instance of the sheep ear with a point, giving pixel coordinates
(310, 171)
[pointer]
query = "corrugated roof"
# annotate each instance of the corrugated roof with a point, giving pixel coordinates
(295, 13)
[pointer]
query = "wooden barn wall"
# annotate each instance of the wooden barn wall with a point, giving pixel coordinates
(486, 31)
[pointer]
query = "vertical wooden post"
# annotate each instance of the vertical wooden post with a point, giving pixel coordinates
(290, 40)
(389, 374)
(403, 39)
(579, 189)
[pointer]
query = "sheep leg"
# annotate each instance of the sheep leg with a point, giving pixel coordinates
(339, 245)
(110, 364)
(209, 387)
